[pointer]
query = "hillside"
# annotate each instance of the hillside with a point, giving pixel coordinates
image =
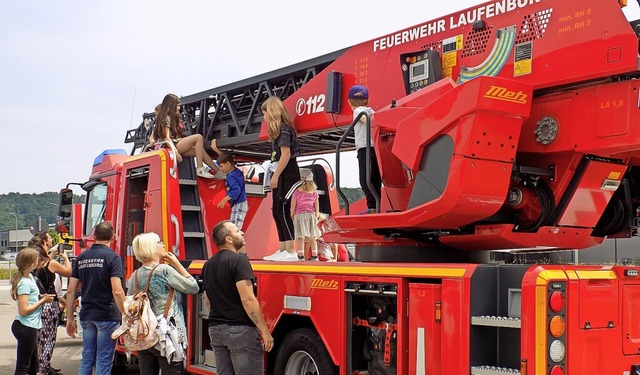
(29, 207)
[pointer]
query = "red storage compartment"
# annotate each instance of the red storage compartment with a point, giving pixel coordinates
(424, 328)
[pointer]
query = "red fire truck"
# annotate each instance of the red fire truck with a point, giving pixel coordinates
(506, 126)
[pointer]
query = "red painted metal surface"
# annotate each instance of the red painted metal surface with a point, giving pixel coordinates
(425, 329)
(489, 106)
(570, 42)
(495, 122)
(601, 329)
(589, 200)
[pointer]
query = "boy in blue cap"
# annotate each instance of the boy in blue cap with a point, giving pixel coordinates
(236, 193)
(358, 100)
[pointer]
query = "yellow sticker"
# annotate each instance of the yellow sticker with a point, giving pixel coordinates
(522, 67)
(449, 60)
(614, 175)
(459, 43)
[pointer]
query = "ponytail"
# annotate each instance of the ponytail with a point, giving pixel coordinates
(15, 278)
(25, 258)
(309, 186)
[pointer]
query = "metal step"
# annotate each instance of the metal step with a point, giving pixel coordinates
(189, 208)
(495, 321)
(193, 234)
(183, 181)
(493, 370)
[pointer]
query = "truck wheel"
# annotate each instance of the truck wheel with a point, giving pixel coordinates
(302, 352)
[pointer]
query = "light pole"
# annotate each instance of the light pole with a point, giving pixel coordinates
(55, 219)
(16, 234)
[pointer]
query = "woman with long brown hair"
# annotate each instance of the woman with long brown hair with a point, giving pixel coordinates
(284, 151)
(169, 127)
(47, 271)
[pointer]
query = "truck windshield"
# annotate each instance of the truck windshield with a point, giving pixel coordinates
(96, 206)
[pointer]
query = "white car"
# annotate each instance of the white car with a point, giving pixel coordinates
(10, 256)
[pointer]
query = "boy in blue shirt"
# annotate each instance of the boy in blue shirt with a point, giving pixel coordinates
(236, 194)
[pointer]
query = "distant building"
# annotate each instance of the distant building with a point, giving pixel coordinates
(14, 240)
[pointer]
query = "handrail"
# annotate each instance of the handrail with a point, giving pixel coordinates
(176, 247)
(172, 155)
(316, 159)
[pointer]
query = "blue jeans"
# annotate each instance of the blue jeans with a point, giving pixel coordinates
(237, 349)
(97, 346)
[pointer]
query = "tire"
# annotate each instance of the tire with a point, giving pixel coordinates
(303, 353)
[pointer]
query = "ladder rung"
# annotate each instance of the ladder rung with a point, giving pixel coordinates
(495, 321)
(189, 208)
(193, 234)
(493, 370)
(187, 182)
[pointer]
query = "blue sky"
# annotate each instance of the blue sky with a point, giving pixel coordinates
(76, 75)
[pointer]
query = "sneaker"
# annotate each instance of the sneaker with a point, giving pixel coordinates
(313, 258)
(220, 175)
(274, 256)
(202, 172)
(300, 257)
(287, 257)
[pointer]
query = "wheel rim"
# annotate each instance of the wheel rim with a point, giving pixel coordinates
(301, 363)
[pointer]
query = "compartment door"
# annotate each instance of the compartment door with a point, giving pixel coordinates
(631, 319)
(424, 328)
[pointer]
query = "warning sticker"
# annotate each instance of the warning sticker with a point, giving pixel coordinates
(449, 60)
(523, 59)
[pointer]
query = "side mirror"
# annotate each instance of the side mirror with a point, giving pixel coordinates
(65, 204)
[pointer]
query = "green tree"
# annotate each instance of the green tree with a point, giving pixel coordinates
(353, 195)
(28, 208)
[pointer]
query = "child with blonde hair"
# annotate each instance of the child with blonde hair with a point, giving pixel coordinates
(28, 321)
(305, 211)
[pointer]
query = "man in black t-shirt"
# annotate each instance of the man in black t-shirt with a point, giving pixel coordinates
(99, 271)
(239, 335)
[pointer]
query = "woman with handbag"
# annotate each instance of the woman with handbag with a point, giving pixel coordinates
(168, 283)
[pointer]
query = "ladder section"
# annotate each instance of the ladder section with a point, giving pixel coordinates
(231, 114)
(192, 226)
(495, 319)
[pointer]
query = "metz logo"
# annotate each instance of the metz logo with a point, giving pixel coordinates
(324, 284)
(501, 93)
